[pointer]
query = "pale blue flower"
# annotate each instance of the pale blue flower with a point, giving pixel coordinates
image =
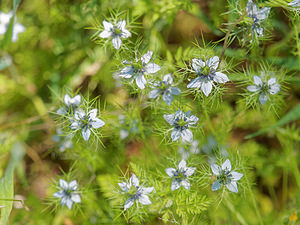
(138, 69)
(86, 122)
(264, 88)
(296, 4)
(71, 104)
(65, 142)
(68, 193)
(179, 176)
(224, 176)
(135, 192)
(4, 23)
(206, 74)
(116, 32)
(129, 127)
(181, 122)
(257, 16)
(165, 89)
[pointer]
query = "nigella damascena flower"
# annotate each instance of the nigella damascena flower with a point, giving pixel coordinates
(137, 70)
(4, 23)
(296, 4)
(207, 74)
(71, 104)
(165, 89)
(179, 176)
(115, 32)
(135, 192)
(86, 122)
(68, 193)
(65, 142)
(264, 88)
(181, 122)
(224, 176)
(257, 16)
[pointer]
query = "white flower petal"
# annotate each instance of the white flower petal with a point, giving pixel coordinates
(105, 34)
(176, 134)
(215, 169)
(125, 33)
(124, 186)
(232, 187)
(263, 13)
(186, 184)
(170, 119)
(170, 172)
(67, 99)
(134, 180)
(129, 202)
(93, 113)
(175, 91)
(58, 194)
(97, 123)
(146, 190)
(126, 72)
(79, 114)
(144, 200)
(154, 93)
(263, 98)
(253, 88)
(76, 198)
(63, 184)
(116, 41)
(61, 111)
(121, 24)
(75, 125)
(197, 64)
(168, 98)
(257, 80)
(274, 89)
(220, 78)
(206, 87)
(189, 171)
(182, 165)
(69, 203)
(175, 185)
(140, 81)
(86, 133)
(196, 83)
(216, 186)
(73, 185)
(152, 68)
(168, 79)
(226, 165)
(272, 81)
(146, 58)
(236, 176)
(107, 25)
(213, 62)
(187, 135)
(251, 9)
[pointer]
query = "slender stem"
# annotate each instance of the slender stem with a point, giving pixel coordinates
(236, 213)
(227, 37)
(208, 120)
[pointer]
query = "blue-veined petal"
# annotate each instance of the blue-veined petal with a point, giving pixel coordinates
(196, 83)
(92, 113)
(146, 57)
(144, 200)
(121, 24)
(186, 184)
(69, 203)
(257, 80)
(106, 34)
(116, 41)
(170, 118)
(107, 25)
(146, 190)
(236, 176)
(253, 88)
(154, 93)
(170, 172)
(124, 186)
(232, 187)
(75, 198)
(73, 185)
(274, 89)
(167, 79)
(96, 123)
(140, 81)
(187, 135)
(127, 72)
(134, 180)
(175, 90)
(226, 165)
(263, 13)
(189, 171)
(125, 33)
(86, 133)
(215, 169)
(167, 97)
(216, 186)
(129, 202)
(206, 87)
(58, 194)
(175, 185)
(263, 98)
(197, 64)
(152, 68)
(63, 184)
(220, 77)
(176, 134)
(182, 165)
(213, 62)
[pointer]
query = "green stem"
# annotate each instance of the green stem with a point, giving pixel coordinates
(208, 120)
(237, 214)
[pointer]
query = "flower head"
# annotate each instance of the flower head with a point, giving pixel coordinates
(206, 74)
(264, 88)
(115, 32)
(137, 70)
(135, 192)
(181, 122)
(71, 104)
(257, 16)
(179, 175)
(68, 193)
(86, 122)
(165, 89)
(224, 176)
(4, 23)
(65, 142)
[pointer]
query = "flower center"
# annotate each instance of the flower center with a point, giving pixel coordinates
(85, 122)
(225, 177)
(117, 31)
